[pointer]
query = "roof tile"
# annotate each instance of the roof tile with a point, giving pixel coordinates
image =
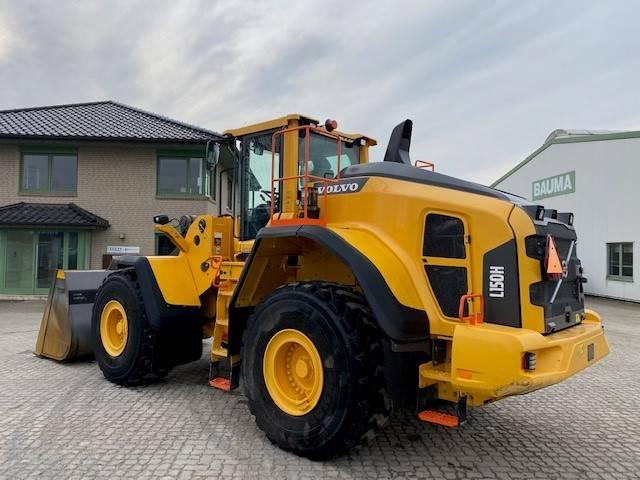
(106, 120)
(50, 214)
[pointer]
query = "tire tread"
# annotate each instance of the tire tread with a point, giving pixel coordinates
(143, 369)
(370, 398)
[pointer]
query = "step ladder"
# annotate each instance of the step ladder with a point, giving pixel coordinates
(430, 376)
(224, 369)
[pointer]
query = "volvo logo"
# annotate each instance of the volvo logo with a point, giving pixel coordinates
(343, 188)
(352, 186)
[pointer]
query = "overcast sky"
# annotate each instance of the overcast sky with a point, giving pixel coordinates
(484, 82)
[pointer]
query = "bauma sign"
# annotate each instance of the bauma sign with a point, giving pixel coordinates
(552, 186)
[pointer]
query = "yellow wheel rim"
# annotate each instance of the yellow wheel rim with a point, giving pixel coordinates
(292, 371)
(114, 328)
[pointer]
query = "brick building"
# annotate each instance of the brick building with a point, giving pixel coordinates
(81, 182)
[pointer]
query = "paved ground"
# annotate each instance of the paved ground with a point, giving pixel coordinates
(67, 421)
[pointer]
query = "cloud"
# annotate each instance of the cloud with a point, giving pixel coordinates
(9, 40)
(484, 82)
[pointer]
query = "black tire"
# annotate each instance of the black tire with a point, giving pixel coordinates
(354, 403)
(135, 365)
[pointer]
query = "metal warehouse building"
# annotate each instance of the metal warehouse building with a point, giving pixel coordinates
(595, 175)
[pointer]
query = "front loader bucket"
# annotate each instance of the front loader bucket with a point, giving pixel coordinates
(65, 330)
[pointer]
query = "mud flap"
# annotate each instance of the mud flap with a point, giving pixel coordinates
(65, 330)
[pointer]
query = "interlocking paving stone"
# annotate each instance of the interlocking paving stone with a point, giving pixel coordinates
(66, 421)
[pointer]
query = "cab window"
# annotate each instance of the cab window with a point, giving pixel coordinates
(256, 191)
(323, 155)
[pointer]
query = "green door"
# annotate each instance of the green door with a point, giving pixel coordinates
(18, 271)
(29, 258)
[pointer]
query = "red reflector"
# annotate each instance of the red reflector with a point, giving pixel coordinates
(553, 265)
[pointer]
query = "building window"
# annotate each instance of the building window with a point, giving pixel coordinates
(620, 261)
(180, 175)
(49, 172)
(229, 192)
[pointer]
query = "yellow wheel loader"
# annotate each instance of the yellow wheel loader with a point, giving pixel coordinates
(341, 289)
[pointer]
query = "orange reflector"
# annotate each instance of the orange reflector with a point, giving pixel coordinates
(220, 383)
(466, 374)
(438, 418)
(553, 265)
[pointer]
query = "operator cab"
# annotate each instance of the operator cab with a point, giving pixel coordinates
(279, 149)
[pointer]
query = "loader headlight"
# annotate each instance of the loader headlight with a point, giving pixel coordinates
(161, 219)
(529, 361)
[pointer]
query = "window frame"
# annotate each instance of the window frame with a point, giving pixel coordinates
(244, 168)
(229, 191)
(620, 277)
(185, 155)
(49, 152)
(212, 183)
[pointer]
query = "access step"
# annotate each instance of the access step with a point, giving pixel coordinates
(224, 374)
(220, 383)
(439, 418)
(445, 419)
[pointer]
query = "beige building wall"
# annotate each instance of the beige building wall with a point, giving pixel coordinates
(116, 182)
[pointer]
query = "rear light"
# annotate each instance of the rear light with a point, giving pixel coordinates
(529, 361)
(566, 217)
(535, 211)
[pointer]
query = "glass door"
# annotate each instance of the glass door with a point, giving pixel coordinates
(256, 183)
(49, 257)
(18, 271)
(29, 258)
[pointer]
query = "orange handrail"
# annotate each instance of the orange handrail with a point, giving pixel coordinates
(474, 318)
(424, 165)
(306, 177)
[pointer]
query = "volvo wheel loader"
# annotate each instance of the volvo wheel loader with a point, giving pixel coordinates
(341, 289)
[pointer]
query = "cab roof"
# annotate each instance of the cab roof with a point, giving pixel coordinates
(282, 122)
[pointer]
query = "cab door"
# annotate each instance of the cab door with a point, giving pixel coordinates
(255, 182)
